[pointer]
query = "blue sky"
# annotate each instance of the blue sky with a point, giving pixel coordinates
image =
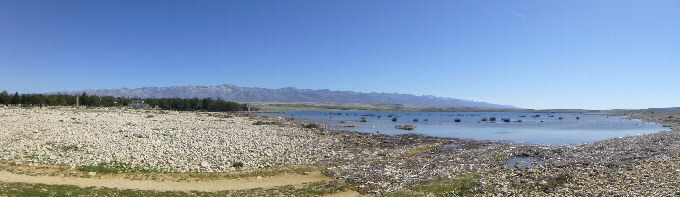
(531, 54)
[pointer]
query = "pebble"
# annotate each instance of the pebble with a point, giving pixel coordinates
(82, 137)
(643, 165)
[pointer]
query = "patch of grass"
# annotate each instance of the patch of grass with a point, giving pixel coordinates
(498, 158)
(303, 170)
(546, 184)
(114, 167)
(264, 123)
(272, 172)
(463, 186)
(69, 148)
(250, 173)
(27, 189)
(417, 150)
(556, 181)
(403, 194)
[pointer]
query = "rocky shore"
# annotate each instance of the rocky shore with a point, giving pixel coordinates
(644, 165)
(164, 141)
(153, 140)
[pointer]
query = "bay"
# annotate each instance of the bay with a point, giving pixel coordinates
(532, 128)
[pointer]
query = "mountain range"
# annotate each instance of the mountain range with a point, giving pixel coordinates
(253, 94)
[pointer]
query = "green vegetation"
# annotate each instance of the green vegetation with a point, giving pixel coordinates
(259, 122)
(311, 126)
(464, 186)
(267, 172)
(27, 189)
(498, 158)
(417, 151)
(206, 104)
(113, 167)
(554, 182)
(237, 165)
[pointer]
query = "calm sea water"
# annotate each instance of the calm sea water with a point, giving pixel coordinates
(533, 128)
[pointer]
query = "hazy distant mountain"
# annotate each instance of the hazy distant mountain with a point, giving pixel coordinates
(240, 94)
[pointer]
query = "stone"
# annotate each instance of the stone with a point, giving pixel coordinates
(406, 127)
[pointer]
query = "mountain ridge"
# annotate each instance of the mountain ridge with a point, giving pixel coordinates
(235, 93)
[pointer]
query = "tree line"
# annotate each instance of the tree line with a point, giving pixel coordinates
(84, 99)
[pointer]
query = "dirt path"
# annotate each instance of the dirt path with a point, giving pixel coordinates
(207, 186)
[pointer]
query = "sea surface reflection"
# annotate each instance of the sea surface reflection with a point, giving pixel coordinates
(533, 128)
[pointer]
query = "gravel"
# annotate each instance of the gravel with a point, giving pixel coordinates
(177, 142)
(645, 165)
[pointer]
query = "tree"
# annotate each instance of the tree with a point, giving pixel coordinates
(196, 104)
(16, 99)
(61, 100)
(207, 104)
(94, 100)
(32, 99)
(4, 97)
(84, 99)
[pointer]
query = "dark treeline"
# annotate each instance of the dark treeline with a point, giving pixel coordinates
(208, 104)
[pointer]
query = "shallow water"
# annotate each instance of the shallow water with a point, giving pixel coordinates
(523, 163)
(534, 128)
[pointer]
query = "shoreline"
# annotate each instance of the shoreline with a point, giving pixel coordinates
(375, 163)
(368, 123)
(620, 156)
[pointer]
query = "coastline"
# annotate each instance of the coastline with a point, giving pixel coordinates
(374, 163)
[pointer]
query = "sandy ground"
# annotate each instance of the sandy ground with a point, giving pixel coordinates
(207, 186)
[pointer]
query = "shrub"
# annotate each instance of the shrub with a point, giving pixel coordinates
(263, 123)
(554, 182)
(311, 126)
(237, 165)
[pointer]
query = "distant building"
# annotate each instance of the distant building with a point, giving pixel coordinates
(136, 103)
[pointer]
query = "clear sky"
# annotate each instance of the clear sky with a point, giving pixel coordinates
(530, 54)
